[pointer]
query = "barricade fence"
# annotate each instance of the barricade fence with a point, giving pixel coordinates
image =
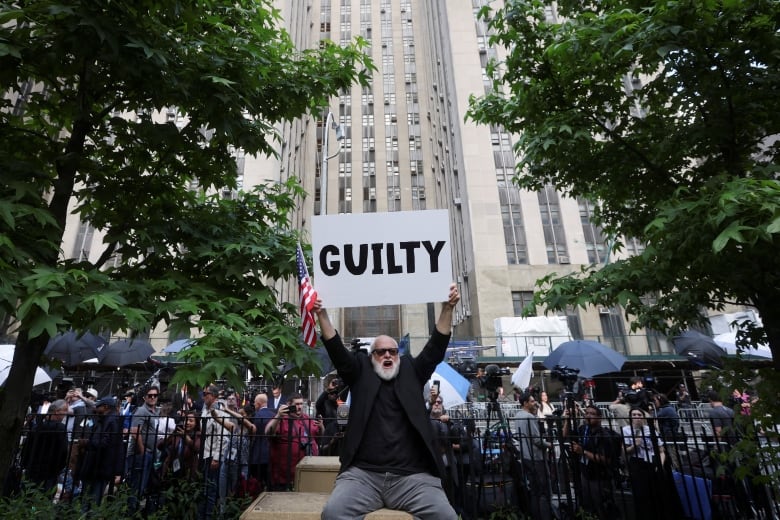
(549, 468)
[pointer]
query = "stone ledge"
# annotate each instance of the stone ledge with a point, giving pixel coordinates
(303, 506)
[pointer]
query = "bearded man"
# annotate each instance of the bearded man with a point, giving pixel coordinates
(387, 457)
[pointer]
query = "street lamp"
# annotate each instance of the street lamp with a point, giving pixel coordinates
(330, 123)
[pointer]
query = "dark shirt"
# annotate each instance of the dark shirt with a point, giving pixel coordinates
(668, 422)
(386, 445)
(104, 454)
(45, 451)
(326, 408)
(259, 451)
(404, 396)
(596, 439)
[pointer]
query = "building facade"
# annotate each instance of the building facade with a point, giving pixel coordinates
(404, 144)
(407, 146)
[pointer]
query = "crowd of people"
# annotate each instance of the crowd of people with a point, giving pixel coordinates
(80, 448)
(81, 453)
(400, 448)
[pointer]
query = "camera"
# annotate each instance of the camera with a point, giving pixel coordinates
(358, 343)
(339, 389)
(491, 381)
(566, 375)
(464, 364)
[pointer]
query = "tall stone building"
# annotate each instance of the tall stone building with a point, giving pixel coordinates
(403, 144)
(407, 146)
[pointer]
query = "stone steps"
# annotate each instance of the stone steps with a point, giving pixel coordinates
(301, 505)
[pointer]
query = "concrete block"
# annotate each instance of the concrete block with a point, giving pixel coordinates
(316, 474)
(303, 506)
(286, 506)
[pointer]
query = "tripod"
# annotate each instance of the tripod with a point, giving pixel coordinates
(497, 491)
(569, 470)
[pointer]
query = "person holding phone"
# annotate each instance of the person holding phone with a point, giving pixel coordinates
(293, 436)
(433, 395)
(183, 447)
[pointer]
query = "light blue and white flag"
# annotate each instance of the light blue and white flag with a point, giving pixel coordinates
(453, 387)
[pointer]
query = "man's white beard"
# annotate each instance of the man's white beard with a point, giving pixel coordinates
(385, 373)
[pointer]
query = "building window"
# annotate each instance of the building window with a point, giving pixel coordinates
(554, 238)
(573, 321)
(521, 300)
(83, 243)
(613, 328)
(369, 322)
(595, 242)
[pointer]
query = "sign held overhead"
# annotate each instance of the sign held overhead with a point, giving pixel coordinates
(382, 258)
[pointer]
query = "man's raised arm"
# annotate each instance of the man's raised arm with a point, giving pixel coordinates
(326, 327)
(444, 323)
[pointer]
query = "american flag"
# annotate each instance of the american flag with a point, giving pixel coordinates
(308, 297)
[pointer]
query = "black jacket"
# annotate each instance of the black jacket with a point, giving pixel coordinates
(356, 371)
(45, 451)
(104, 454)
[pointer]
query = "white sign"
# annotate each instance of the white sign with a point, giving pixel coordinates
(372, 259)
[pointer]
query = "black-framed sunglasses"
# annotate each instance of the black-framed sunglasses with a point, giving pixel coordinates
(380, 352)
(153, 395)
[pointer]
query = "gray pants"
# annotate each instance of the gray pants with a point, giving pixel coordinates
(359, 492)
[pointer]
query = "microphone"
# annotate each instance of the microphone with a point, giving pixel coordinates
(342, 415)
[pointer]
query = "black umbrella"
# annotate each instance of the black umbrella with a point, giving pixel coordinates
(127, 352)
(701, 350)
(74, 349)
(591, 358)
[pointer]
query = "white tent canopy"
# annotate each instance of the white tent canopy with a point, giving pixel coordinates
(728, 342)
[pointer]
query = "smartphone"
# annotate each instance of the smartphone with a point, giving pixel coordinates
(436, 384)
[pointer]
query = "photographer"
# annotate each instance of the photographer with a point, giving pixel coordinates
(214, 448)
(236, 455)
(533, 451)
(294, 435)
(638, 396)
(182, 448)
(595, 459)
(327, 408)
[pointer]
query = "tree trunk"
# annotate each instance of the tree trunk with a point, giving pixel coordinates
(768, 307)
(15, 398)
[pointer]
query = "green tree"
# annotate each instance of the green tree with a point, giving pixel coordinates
(83, 82)
(666, 115)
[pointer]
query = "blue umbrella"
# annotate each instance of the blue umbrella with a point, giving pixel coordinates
(591, 358)
(178, 345)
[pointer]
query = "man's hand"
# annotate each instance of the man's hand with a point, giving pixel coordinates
(444, 323)
(326, 327)
(454, 296)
